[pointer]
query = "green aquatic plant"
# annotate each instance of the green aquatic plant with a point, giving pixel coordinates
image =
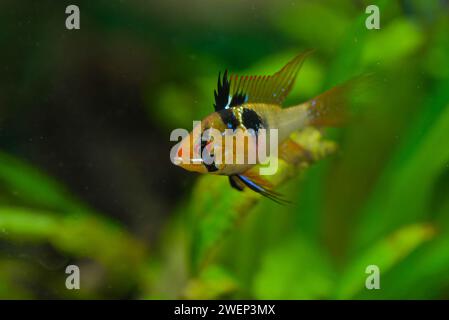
(37, 210)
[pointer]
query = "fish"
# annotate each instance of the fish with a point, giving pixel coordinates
(255, 104)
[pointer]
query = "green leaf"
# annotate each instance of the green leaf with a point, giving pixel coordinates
(423, 275)
(29, 185)
(385, 254)
(296, 269)
(299, 19)
(404, 191)
(81, 236)
(392, 42)
(212, 283)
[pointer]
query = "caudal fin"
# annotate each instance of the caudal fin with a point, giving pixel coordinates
(331, 108)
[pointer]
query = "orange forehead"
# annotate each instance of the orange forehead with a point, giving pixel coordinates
(213, 121)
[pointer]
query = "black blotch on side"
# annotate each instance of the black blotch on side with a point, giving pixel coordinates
(222, 93)
(251, 120)
(229, 119)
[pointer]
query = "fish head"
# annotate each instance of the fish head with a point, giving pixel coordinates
(195, 149)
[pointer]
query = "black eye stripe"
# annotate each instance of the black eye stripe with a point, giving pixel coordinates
(210, 167)
(203, 145)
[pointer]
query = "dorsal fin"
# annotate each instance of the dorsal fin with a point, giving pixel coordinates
(265, 89)
(268, 89)
(222, 94)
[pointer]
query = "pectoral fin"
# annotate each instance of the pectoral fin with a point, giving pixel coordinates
(236, 183)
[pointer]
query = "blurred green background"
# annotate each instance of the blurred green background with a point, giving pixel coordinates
(86, 179)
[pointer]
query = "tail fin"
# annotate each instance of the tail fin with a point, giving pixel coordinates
(330, 108)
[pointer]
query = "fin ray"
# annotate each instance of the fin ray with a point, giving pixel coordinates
(222, 93)
(266, 89)
(331, 107)
(264, 191)
(269, 89)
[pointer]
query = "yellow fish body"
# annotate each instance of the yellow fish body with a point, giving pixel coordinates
(252, 103)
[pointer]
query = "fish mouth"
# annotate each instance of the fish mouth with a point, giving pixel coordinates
(186, 161)
(194, 165)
